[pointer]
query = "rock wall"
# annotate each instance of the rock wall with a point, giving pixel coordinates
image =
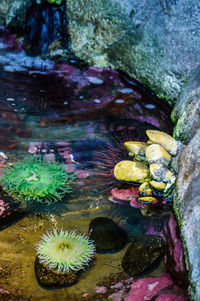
(187, 208)
(148, 40)
(156, 42)
(4, 5)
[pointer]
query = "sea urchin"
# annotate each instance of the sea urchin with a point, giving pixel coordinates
(35, 179)
(65, 252)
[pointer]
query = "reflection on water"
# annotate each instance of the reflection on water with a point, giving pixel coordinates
(69, 114)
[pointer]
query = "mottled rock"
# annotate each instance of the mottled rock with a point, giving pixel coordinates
(147, 200)
(107, 235)
(156, 153)
(186, 111)
(160, 172)
(157, 185)
(187, 208)
(153, 287)
(145, 189)
(165, 140)
(136, 149)
(3, 11)
(49, 279)
(16, 14)
(142, 253)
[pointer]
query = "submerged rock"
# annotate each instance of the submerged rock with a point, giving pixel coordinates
(49, 279)
(107, 235)
(142, 253)
(155, 288)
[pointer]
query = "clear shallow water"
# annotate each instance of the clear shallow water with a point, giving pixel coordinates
(68, 113)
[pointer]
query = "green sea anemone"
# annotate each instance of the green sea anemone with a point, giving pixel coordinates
(65, 252)
(35, 179)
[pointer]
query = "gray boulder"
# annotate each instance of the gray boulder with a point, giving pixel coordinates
(4, 4)
(187, 208)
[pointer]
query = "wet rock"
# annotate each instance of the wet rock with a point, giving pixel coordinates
(15, 17)
(187, 208)
(153, 287)
(160, 173)
(157, 185)
(107, 235)
(131, 171)
(186, 111)
(155, 153)
(136, 149)
(147, 200)
(3, 11)
(145, 189)
(49, 279)
(174, 258)
(165, 140)
(142, 253)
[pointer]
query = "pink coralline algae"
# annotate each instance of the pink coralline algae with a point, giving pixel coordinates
(125, 196)
(174, 252)
(8, 213)
(170, 297)
(148, 288)
(174, 255)
(101, 289)
(4, 207)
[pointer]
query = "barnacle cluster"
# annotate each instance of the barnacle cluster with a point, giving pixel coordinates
(35, 179)
(150, 165)
(65, 252)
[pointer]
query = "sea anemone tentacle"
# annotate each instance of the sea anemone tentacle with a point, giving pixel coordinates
(65, 252)
(35, 179)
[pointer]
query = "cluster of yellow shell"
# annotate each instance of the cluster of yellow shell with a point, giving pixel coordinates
(151, 164)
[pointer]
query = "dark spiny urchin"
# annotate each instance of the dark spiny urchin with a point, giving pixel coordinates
(35, 179)
(105, 160)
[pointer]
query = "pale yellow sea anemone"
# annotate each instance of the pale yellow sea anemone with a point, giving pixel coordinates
(65, 252)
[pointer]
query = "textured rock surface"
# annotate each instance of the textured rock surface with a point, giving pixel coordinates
(15, 16)
(49, 279)
(3, 11)
(107, 235)
(142, 254)
(129, 36)
(187, 207)
(186, 113)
